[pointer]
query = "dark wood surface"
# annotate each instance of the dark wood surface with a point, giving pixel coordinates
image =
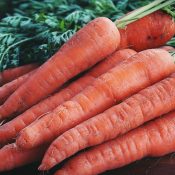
(149, 166)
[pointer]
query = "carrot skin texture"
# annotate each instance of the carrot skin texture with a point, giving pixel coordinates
(7, 89)
(12, 157)
(129, 77)
(9, 130)
(13, 73)
(154, 139)
(89, 45)
(149, 103)
(154, 29)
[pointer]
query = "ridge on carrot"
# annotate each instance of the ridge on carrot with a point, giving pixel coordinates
(146, 105)
(140, 71)
(9, 130)
(153, 139)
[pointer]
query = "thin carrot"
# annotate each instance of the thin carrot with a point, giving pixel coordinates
(149, 103)
(12, 157)
(13, 73)
(127, 78)
(151, 31)
(89, 45)
(7, 89)
(9, 130)
(157, 138)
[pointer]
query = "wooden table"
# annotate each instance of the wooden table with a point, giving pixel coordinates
(149, 166)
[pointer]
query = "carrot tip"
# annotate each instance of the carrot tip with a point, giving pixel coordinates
(41, 167)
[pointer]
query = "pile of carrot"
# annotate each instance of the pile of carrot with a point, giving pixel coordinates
(97, 91)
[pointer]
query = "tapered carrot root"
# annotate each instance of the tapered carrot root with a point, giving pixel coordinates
(10, 130)
(13, 73)
(154, 139)
(12, 157)
(149, 103)
(144, 69)
(151, 31)
(89, 45)
(7, 89)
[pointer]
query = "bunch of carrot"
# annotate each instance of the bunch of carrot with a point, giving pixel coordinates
(49, 113)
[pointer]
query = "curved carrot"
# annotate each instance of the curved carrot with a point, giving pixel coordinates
(89, 45)
(151, 31)
(154, 139)
(149, 103)
(127, 78)
(7, 89)
(12, 157)
(13, 73)
(9, 130)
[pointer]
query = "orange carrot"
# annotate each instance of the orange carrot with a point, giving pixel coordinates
(12, 157)
(151, 31)
(13, 73)
(149, 103)
(127, 78)
(89, 45)
(10, 130)
(157, 138)
(7, 89)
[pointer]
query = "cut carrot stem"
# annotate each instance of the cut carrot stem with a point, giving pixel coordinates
(127, 78)
(148, 32)
(146, 105)
(154, 139)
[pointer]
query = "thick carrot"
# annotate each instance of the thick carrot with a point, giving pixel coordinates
(7, 89)
(151, 31)
(143, 69)
(13, 73)
(149, 103)
(10, 130)
(157, 138)
(12, 157)
(89, 45)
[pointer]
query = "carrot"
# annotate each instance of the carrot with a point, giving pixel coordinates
(13, 73)
(7, 89)
(154, 139)
(12, 157)
(127, 78)
(149, 103)
(89, 45)
(151, 31)
(10, 130)
(168, 48)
